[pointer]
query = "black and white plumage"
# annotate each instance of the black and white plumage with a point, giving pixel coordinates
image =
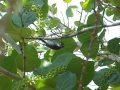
(52, 44)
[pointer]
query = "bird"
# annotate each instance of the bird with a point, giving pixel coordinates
(52, 44)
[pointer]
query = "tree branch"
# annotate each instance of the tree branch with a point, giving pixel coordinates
(74, 34)
(14, 76)
(112, 57)
(9, 74)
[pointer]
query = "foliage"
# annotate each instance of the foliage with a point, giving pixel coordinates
(26, 63)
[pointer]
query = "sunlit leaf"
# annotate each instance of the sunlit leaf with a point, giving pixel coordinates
(46, 84)
(67, 1)
(88, 5)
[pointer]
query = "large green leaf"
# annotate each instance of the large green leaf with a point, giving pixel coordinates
(115, 79)
(93, 49)
(28, 18)
(8, 63)
(25, 19)
(75, 66)
(58, 66)
(5, 83)
(114, 46)
(69, 46)
(99, 77)
(88, 5)
(89, 73)
(66, 81)
(91, 21)
(84, 37)
(31, 59)
(17, 20)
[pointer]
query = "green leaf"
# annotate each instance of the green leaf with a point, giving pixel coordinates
(8, 63)
(44, 9)
(89, 73)
(41, 32)
(54, 22)
(48, 55)
(75, 66)
(69, 12)
(117, 3)
(25, 32)
(116, 88)
(2, 7)
(69, 46)
(53, 8)
(109, 11)
(46, 84)
(99, 75)
(114, 46)
(31, 59)
(94, 48)
(9, 39)
(28, 18)
(105, 62)
(91, 21)
(88, 5)
(17, 20)
(5, 83)
(58, 65)
(39, 3)
(84, 37)
(66, 81)
(115, 79)
(102, 35)
(67, 1)
(116, 15)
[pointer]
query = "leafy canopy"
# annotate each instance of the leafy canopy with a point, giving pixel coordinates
(26, 63)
